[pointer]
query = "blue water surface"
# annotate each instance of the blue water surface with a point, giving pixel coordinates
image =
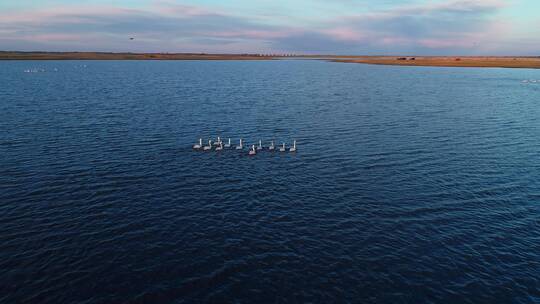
(410, 184)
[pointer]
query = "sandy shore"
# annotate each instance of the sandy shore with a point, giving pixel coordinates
(442, 61)
(125, 56)
(489, 61)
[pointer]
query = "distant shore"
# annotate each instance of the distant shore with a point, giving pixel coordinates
(447, 61)
(126, 56)
(441, 61)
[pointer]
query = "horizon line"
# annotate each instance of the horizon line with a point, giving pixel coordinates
(280, 54)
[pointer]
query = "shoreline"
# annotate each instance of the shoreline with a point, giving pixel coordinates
(126, 56)
(530, 62)
(447, 61)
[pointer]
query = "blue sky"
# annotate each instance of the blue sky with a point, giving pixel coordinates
(430, 27)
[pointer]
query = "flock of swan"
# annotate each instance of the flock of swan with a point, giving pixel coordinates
(42, 70)
(35, 70)
(39, 70)
(218, 145)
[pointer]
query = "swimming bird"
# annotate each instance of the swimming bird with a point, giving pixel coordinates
(282, 149)
(240, 147)
(209, 147)
(252, 151)
(260, 145)
(199, 145)
(220, 147)
(218, 141)
(293, 149)
(272, 147)
(228, 145)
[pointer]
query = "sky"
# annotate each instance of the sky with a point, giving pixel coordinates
(347, 27)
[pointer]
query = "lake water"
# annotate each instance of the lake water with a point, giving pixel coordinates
(410, 184)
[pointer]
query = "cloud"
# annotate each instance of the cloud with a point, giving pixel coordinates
(164, 27)
(453, 6)
(451, 26)
(454, 26)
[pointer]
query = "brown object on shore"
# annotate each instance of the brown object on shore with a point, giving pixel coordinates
(443, 61)
(127, 56)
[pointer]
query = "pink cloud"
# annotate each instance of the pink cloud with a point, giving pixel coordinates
(468, 24)
(458, 6)
(80, 13)
(254, 34)
(172, 9)
(345, 34)
(73, 14)
(389, 41)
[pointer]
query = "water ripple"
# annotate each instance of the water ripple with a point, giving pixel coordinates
(407, 187)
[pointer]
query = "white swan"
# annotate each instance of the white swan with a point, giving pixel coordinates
(260, 145)
(240, 147)
(218, 141)
(220, 147)
(228, 145)
(282, 149)
(209, 147)
(272, 147)
(252, 151)
(293, 149)
(199, 145)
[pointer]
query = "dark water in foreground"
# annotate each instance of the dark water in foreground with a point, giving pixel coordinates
(411, 185)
